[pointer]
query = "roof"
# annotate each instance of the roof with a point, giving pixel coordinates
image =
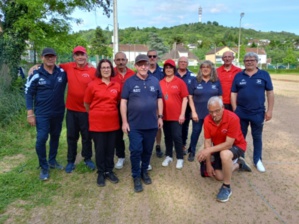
(133, 47)
(177, 51)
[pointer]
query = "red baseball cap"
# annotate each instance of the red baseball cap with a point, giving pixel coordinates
(79, 49)
(169, 62)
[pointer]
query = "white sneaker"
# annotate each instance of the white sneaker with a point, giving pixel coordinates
(179, 163)
(120, 163)
(149, 167)
(260, 167)
(166, 161)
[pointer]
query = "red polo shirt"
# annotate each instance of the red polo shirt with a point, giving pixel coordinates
(226, 79)
(103, 100)
(173, 94)
(229, 126)
(120, 78)
(78, 79)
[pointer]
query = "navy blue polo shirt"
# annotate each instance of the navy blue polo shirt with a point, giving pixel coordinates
(158, 73)
(251, 91)
(187, 78)
(142, 96)
(202, 92)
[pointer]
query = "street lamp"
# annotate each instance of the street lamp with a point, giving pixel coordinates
(241, 16)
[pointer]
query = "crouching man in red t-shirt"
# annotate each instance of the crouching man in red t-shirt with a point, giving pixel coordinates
(223, 139)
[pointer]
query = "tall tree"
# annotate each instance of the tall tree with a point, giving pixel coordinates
(99, 44)
(156, 43)
(36, 20)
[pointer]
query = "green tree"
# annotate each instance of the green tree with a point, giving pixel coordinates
(290, 57)
(156, 43)
(36, 21)
(99, 44)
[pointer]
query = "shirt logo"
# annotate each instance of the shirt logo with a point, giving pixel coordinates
(174, 87)
(243, 82)
(85, 75)
(199, 86)
(189, 81)
(258, 81)
(136, 89)
(114, 91)
(59, 79)
(224, 131)
(42, 81)
(152, 88)
(214, 87)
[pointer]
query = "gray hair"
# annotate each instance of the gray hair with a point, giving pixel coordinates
(215, 99)
(251, 55)
(214, 76)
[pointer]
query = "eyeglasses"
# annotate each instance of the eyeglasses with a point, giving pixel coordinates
(246, 61)
(105, 68)
(120, 59)
(215, 111)
(152, 56)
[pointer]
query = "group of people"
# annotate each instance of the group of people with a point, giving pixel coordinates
(103, 103)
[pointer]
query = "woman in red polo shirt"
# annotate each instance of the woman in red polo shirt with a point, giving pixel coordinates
(175, 95)
(101, 99)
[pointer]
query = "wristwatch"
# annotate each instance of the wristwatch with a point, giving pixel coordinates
(160, 116)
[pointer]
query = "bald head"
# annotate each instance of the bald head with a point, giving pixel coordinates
(228, 58)
(120, 60)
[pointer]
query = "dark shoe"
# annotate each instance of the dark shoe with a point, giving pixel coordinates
(159, 152)
(191, 157)
(111, 177)
(70, 167)
(44, 174)
(137, 184)
(243, 166)
(90, 164)
(224, 194)
(56, 166)
(101, 180)
(185, 151)
(145, 177)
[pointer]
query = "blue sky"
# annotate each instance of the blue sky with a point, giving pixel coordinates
(260, 15)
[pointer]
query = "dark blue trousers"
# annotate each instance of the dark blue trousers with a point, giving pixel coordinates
(256, 122)
(46, 126)
(141, 147)
(196, 130)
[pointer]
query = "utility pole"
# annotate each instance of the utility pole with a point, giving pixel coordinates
(241, 16)
(115, 28)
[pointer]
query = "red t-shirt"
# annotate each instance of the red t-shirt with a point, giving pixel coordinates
(120, 78)
(78, 79)
(103, 100)
(173, 94)
(229, 126)
(226, 79)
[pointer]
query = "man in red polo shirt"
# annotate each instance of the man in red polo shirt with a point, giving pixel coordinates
(122, 73)
(225, 142)
(226, 74)
(79, 74)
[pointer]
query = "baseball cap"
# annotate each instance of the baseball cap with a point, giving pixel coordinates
(169, 62)
(47, 51)
(79, 49)
(141, 57)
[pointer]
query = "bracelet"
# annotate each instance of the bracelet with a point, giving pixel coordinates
(160, 116)
(31, 115)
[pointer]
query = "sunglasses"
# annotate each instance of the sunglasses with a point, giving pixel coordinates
(152, 56)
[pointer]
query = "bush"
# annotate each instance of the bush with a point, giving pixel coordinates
(12, 97)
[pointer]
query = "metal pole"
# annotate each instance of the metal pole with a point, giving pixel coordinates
(241, 16)
(115, 28)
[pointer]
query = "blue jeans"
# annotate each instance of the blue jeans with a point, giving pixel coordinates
(141, 147)
(196, 130)
(185, 125)
(256, 123)
(46, 126)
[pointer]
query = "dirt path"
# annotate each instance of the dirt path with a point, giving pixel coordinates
(182, 196)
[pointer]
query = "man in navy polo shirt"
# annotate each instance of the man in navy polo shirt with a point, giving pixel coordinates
(141, 97)
(156, 71)
(187, 76)
(248, 102)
